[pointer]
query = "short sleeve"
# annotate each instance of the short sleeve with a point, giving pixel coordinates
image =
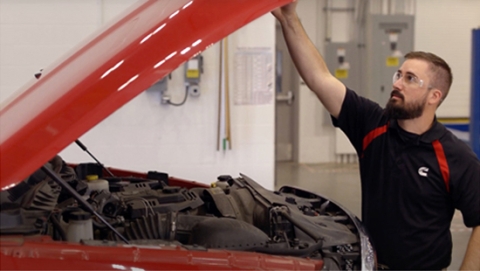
(465, 188)
(358, 115)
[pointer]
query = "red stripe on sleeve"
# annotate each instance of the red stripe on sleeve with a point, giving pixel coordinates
(372, 135)
(442, 161)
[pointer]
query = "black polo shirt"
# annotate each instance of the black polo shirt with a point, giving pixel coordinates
(411, 185)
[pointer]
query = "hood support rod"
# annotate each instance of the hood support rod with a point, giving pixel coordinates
(83, 147)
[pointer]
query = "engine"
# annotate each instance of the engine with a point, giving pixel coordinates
(233, 214)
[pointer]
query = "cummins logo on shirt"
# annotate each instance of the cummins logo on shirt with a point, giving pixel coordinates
(423, 171)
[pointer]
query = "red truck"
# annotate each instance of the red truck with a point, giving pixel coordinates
(52, 218)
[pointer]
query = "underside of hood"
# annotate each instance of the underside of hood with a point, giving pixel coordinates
(109, 69)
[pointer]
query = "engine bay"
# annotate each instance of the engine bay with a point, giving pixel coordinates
(231, 214)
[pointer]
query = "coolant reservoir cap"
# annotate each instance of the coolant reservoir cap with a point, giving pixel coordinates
(92, 178)
(79, 215)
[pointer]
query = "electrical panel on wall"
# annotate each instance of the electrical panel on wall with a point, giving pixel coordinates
(388, 39)
(193, 72)
(190, 85)
(161, 85)
(343, 60)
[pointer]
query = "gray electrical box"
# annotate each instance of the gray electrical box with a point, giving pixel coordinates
(343, 61)
(388, 39)
(161, 85)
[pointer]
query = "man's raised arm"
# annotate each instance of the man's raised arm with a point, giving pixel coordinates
(309, 62)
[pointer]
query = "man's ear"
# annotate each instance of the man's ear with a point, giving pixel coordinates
(436, 96)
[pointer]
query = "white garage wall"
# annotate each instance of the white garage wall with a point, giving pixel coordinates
(445, 28)
(144, 135)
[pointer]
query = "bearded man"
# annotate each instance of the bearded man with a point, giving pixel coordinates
(414, 172)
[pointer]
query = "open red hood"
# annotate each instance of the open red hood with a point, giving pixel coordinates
(109, 69)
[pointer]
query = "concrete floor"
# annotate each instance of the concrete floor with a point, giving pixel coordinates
(341, 182)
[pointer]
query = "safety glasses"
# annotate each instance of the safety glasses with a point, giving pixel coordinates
(408, 79)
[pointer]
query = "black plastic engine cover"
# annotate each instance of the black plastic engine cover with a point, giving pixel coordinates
(227, 233)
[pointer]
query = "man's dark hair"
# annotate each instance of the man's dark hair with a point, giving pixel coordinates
(442, 74)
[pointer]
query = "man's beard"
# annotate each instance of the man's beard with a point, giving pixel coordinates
(400, 110)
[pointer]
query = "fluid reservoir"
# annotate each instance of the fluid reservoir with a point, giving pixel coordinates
(79, 227)
(96, 184)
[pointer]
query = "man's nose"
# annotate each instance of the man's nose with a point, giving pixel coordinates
(398, 83)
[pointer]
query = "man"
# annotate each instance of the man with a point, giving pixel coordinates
(414, 172)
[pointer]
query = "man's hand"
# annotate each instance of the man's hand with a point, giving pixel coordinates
(288, 10)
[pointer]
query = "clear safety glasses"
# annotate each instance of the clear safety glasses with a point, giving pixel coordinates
(408, 79)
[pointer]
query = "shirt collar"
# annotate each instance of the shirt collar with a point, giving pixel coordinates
(435, 132)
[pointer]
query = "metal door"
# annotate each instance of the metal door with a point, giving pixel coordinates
(287, 80)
